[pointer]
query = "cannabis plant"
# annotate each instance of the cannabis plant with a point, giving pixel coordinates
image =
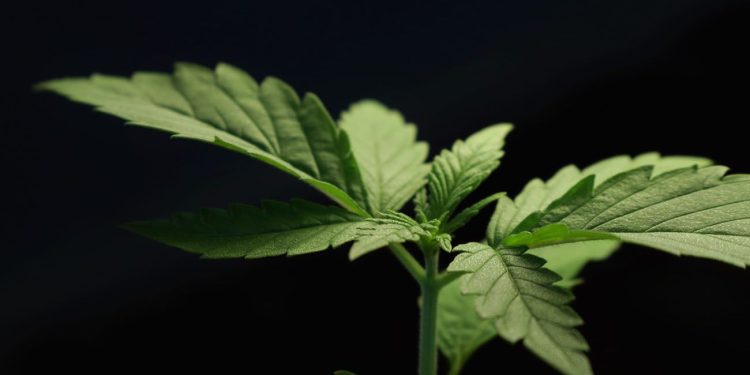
(515, 283)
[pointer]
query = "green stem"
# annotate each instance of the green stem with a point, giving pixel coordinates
(448, 277)
(428, 316)
(407, 261)
(456, 367)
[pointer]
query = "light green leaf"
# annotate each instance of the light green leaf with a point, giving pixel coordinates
(568, 259)
(463, 217)
(566, 251)
(535, 196)
(392, 162)
(444, 241)
(390, 227)
(457, 172)
(538, 194)
(243, 231)
(226, 106)
(518, 294)
(565, 259)
(691, 211)
(460, 331)
(421, 205)
(553, 234)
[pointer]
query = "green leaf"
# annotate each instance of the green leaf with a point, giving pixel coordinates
(226, 106)
(343, 372)
(421, 206)
(390, 227)
(459, 171)
(463, 217)
(243, 231)
(691, 211)
(538, 194)
(566, 251)
(444, 241)
(553, 234)
(518, 294)
(391, 160)
(460, 331)
(568, 259)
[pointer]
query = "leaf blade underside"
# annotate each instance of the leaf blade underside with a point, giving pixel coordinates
(390, 227)
(691, 211)
(226, 106)
(515, 291)
(244, 231)
(537, 195)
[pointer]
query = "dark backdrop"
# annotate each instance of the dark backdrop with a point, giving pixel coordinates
(582, 80)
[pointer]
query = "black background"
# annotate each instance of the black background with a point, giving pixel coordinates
(581, 80)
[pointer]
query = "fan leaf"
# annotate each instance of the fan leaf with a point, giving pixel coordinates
(569, 259)
(691, 211)
(226, 106)
(538, 194)
(513, 290)
(243, 231)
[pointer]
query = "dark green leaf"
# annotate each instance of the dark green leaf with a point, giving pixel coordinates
(242, 231)
(553, 234)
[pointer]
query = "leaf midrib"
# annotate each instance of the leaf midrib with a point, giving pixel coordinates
(280, 231)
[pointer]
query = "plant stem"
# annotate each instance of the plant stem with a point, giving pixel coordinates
(428, 314)
(448, 277)
(408, 261)
(456, 367)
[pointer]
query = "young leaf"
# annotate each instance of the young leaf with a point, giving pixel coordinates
(468, 213)
(444, 240)
(691, 211)
(457, 172)
(243, 231)
(460, 331)
(518, 294)
(226, 106)
(391, 227)
(391, 160)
